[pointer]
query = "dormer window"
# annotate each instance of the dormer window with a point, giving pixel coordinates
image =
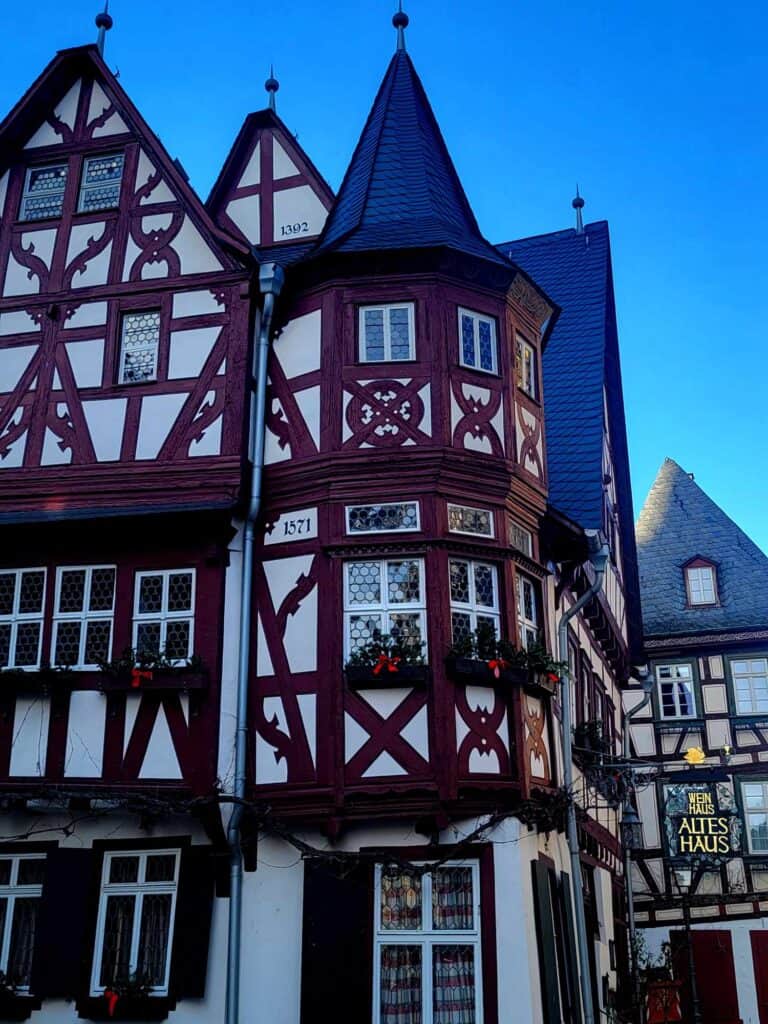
(386, 333)
(100, 183)
(43, 195)
(477, 341)
(700, 583)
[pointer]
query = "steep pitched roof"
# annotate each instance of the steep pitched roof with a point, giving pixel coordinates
(401, 189)
(677, 523)
(580, 361)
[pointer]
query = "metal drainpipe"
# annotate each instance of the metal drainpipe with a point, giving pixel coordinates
(271, 279)
(647, 680)
(599, 555)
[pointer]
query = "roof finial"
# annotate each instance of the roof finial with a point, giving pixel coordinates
(578, 205)
(400, 21)
(103, 24)
(272, 85)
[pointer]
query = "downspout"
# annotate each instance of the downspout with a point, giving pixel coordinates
(271, 279)
(598, 558)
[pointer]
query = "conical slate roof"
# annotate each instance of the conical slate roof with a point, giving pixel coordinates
(679, 522)
(401, 189)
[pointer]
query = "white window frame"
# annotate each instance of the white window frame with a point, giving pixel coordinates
(164, 616)
(383, 504)
(139, 890)
(476, 318)
(84, 189)
(749, 675)
(124, 315)
(529, 387)
(426, 938)
(85, 616)
(524, 624)
(10, 893)
(748, 811)
(388, 357)
(675, 680)
(701, 580)
(471, 607)
(15, 618)
(384, 607)
(27, 195)
(522, 533)
(471, 508)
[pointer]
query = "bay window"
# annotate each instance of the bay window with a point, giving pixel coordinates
(474, 597)
(477, 341)
(528, 613)
(383, 597)
(21, 886)
(387, 333)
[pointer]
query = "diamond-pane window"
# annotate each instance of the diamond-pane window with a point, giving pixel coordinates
(21, 886)
(134, 929)
(474, 597)
(100, 183)
(528, 615)
(83, 612)
(22, 594)
(163, 618)
(44, 192)
(384, 598)
(386, 333)
(477, 341)
(477, 521)
(390, 518)
(139, 343)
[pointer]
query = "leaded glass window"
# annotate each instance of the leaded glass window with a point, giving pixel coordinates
(100, 183)
(386, 333)
(474, 597)
(44, 189)
(22, 596)
(477, 521)
(521, 539)
(139, 344)
(676, 695)
(163, 617)
(384, 598)
(389, 518)
(83, 611)
(427, 940)
(525, 367)
(477, 341)
(528, 614)
(134, 931)
(21, 886)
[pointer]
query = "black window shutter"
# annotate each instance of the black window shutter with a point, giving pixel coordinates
(545, 937)
(337, 945)
(570, 935)
(64, 936)
(192, 928)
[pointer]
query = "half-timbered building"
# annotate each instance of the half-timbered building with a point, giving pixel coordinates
(704, 588)
(442, 483)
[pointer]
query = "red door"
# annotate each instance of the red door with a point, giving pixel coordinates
(760, 965)
(715, 975)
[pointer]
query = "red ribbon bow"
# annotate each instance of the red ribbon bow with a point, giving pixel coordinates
(385, 662)
(497, 666)
(112, 998)
(553, 677)
(137, 674)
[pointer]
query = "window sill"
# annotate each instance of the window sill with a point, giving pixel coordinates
(14, 1006)
(474, 672)
(479, 369)
(38, 680)
(127, 1008)
(362, 677)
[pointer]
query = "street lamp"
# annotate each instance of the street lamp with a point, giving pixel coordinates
(631, 827)
(684, 878)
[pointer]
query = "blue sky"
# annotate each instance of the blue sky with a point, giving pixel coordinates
(656, 109)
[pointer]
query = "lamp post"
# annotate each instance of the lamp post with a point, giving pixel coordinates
(684, 878)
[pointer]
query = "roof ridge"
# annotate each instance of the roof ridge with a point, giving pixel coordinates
(560, 233)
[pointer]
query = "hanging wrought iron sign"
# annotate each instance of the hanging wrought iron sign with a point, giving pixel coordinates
(702, 822)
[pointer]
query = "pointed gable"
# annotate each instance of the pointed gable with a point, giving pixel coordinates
(269, 192)
(401, 189)
(680, 524)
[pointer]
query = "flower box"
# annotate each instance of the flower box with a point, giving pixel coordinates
(40, 680)
(363, 677)
(474, 672)
(126, 1008)
(153, 680)
(15, 1006)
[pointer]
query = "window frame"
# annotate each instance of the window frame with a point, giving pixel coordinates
(522, 622)
(700, 565)
(384, 608)
(15, 617)
(471, 508)
(428, 938)
(675, 697)
(11, 892)
(386, 307)
(139, 890)
(26, 194)
(83, 189)
(750, 675)
(123, 316)
(471, 607)
(382, 504)
(523, 346)
(476, 318)
(85, 616)
(746, 811)
(164, 616)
